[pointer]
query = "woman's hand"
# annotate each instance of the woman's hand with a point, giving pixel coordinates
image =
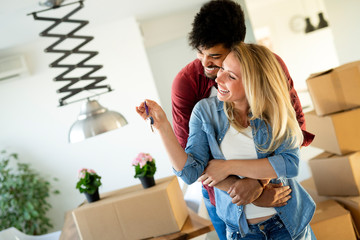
(176, 153)
(155, 111)
(214, 173)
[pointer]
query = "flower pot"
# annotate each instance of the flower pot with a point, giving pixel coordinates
(92, 197)
(147, 181)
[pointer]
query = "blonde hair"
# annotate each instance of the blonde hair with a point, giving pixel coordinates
(267, 91)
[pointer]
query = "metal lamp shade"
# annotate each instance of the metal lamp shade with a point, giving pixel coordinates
(93, 120)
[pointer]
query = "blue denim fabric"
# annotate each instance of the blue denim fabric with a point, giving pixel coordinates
(271, 229)
(218, 224)
(208, 125)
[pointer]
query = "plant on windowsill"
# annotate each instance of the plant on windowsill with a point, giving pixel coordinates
(145, 169)
(24, 196)
(89, 183)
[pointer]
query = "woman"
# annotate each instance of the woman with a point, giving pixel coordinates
(251, 129)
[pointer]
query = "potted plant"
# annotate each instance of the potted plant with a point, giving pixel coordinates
(89, 183)
(24, 197)
(145, 169)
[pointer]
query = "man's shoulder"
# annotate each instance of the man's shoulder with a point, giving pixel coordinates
(282, 64)
(189, 78)
(193, 68)
(279, 59)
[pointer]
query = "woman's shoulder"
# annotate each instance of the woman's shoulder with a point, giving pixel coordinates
(210, 111)
(211, 103)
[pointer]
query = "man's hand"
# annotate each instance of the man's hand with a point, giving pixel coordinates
(274, 195)
(245, 191)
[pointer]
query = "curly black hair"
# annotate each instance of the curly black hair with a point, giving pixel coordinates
(218, 22)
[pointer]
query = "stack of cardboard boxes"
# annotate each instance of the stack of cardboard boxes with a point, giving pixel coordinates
(335, 122)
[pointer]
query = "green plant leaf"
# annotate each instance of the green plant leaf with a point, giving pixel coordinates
(23, 196)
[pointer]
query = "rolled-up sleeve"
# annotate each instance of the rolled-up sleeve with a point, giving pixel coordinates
(285, 162)
(197, 149)
(191, 171)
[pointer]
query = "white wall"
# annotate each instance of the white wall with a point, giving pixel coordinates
(32, 125)
(344, 19)
(165, 39)
(303, 53)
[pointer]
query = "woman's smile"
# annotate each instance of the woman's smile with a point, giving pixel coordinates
(223, 92)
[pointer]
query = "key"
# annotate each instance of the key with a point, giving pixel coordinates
(151, 123)
(151, 119)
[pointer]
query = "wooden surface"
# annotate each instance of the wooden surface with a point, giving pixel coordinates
(193, 227)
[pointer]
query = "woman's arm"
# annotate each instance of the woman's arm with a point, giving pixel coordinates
(176, 153)
(254, 168)
(283, 163)
(217, 170)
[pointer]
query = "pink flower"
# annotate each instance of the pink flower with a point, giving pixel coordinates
(82, 171)
(142, 159)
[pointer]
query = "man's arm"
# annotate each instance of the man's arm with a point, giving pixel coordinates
(247, 190)
(183, 101)
(308, 137)
(274, 195)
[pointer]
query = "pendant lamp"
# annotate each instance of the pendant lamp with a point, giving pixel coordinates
(93, 120)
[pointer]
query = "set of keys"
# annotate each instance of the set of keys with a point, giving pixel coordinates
(151, 119)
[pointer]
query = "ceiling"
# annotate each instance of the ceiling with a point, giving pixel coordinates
(18, 28)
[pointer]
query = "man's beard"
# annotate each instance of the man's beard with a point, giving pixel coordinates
(213, 77)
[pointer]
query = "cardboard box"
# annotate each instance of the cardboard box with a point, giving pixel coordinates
(336, 89)
(352, 204)
(332, 222)
(336, 133)
(134, 212)
(309, 186)
(336, 175)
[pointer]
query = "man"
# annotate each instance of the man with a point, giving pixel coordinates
(216, 28)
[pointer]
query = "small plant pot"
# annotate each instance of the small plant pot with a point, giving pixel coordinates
(92, 197)
(147, 182)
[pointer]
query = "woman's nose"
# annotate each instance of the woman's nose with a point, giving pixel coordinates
(219, 79)
(219, 76)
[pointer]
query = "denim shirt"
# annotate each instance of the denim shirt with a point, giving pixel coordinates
(208, 126)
